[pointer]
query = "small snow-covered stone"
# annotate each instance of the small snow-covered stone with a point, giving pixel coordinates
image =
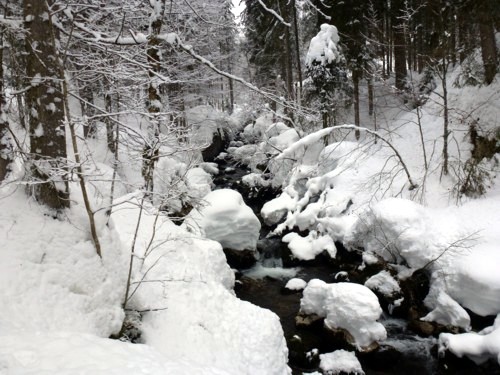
(295, 284)
(340, 361)
(384, 283)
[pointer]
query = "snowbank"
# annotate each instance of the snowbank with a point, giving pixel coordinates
(186, 284)
(456, 244)
(349, 306)
(227, 219)
(51, 278)
(72, 353)
(477, 346)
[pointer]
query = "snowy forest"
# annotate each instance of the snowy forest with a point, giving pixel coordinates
(249, 187)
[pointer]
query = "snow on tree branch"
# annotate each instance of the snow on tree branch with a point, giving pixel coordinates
(274, 13)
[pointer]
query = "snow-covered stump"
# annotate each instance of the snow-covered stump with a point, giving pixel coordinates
(350, 308)
(226, 218)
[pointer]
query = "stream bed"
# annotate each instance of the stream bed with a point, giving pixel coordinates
(403, 352)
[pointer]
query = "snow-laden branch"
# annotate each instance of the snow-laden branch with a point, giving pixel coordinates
(318, 135)
(273, 12)
(310, 3)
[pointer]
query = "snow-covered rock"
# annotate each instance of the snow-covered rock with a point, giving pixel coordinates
(307, 248)
(348, 306)
(384, 283)
(296, 284)
(227, 219)
(339, 362)
(477, 346)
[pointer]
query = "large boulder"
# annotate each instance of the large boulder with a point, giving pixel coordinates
(224, 217)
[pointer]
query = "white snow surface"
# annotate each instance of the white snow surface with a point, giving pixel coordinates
(306, 248)
(70, 353)
(224, 217)
(340, 361)
(477, 346)
(384, 283)
(51, 278)
(187, 283)
(349, 306)
(296, 284)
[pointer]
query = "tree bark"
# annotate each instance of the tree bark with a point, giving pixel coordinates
(5, 149)
(488, 45)
(45, 99)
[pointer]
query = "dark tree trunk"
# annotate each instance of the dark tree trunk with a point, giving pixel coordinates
(297, 48)
(355, 79)
(399, 46)
(488, 45)
(45, 98)
(5, 149)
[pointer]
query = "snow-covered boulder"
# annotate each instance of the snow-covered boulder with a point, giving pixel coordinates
(227, 219)
(340, 362)
(348, 306)
(384, 283)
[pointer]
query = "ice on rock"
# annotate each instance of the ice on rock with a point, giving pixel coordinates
(224, 217)
(352, 307)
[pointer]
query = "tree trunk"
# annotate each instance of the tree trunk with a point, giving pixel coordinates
(297, 50)
(446, 131)
(5, 149)
(399, 47)
(44, 97)
(488, 45)
(151, 151)
(355, 80)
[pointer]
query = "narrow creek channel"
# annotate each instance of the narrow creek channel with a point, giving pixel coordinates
(403, 352)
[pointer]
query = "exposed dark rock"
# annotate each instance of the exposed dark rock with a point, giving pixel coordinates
(450, 364)
(220, 141)
(307, 320)
(240, 259)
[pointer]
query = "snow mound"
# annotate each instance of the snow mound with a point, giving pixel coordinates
(185, 285)
(340, 361)
(349, 306)
(227, 219)
(51, 278)
(479, 347)
(296, 284)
